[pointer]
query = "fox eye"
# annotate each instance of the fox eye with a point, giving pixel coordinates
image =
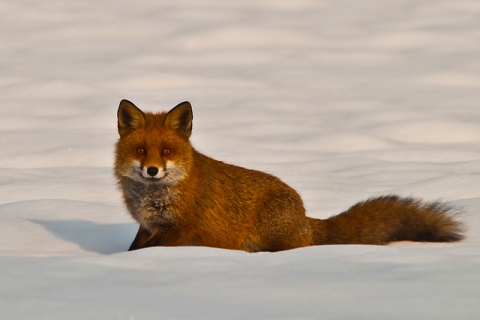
(140, 150)
(167, 151)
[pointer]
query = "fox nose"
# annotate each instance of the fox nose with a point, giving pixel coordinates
(152, 171)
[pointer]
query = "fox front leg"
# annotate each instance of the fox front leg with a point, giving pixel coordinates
(159, 237)
(140, 239)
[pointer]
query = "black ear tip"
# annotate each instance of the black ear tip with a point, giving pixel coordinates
(125, 102)
(185, 104)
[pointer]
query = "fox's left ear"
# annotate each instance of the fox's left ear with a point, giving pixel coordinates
(180, 119)
(129, 118)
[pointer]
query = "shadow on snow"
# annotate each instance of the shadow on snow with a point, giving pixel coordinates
(91, 236)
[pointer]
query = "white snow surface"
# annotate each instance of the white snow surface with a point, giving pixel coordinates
(343, 100)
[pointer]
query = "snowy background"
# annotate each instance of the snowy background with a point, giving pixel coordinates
(343, 100)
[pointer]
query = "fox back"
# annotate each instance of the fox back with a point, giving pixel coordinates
(182, 197)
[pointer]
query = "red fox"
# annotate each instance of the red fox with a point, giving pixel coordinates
(181, 197)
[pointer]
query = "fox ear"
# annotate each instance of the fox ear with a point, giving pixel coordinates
(180, 119)
(129, 118)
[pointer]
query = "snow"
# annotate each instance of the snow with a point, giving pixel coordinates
(343, 100)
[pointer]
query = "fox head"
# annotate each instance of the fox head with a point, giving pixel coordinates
(153, 148)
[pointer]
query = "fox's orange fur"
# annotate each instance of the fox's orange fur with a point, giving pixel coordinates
(181, 197)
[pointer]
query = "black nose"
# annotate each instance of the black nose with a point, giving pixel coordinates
(152, 171)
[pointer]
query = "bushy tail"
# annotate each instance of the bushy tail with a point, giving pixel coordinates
(386, 219)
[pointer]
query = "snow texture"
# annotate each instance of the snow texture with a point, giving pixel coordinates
(343, 100)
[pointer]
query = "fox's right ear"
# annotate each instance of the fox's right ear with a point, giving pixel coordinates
(129, 118)
(180, 119)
